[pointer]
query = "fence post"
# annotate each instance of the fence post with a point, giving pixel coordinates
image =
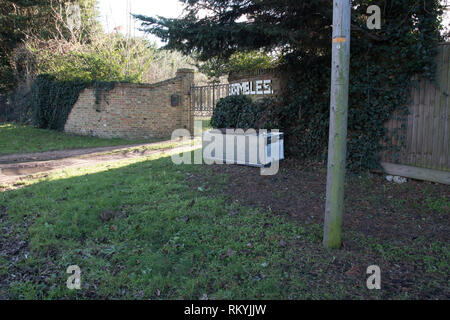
(214, 97)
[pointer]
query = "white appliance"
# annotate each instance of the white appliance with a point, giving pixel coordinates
(242, 147)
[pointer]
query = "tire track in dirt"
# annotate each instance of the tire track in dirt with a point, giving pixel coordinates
(22, 167)
(62, 154)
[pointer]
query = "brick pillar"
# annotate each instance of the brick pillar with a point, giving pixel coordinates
(187, 80)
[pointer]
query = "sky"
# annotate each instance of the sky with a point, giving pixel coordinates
(115, 13)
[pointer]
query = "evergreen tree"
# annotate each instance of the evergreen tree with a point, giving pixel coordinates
(382, 65)
(286, 24)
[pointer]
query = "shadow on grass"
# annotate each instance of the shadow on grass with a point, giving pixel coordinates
(139, 231)
(142, 231)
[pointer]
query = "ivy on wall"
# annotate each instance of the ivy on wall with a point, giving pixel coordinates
(381, 77)
(383, 64)
(53, 100)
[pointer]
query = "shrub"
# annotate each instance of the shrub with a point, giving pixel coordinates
(233, 112)
(238, 62)
(241, 112)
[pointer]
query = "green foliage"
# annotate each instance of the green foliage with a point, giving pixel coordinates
(238, 62)
(108, 57)
(7, 76)
(244, 113)
(382, 66)
(234, 112)
(441, 205)
(383, 62)
(165, 65)
(38, 19)
(52, 100)
(248, 61)
(270, 24)
(268, 110)
(80, 66)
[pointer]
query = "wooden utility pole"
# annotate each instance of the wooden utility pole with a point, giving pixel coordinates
(337, 146)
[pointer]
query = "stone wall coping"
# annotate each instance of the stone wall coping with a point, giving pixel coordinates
(179, 76)
(145, 85)
(185, 70)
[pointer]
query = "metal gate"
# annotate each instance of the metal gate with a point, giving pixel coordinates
(204, 98)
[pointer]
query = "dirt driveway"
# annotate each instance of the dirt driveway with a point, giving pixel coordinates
(15, 167)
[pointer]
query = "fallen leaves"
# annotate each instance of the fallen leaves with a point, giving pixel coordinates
(108, 215)
(184, 219)
(354, 270)
(283, 243)
(228, 253)
(190, 204)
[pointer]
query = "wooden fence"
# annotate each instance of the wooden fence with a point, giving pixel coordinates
(425, 154)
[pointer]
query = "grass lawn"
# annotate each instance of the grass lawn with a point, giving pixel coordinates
(166, 240)
(15, 138)
(149, 229)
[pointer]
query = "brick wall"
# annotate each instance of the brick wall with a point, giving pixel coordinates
(134, 110)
